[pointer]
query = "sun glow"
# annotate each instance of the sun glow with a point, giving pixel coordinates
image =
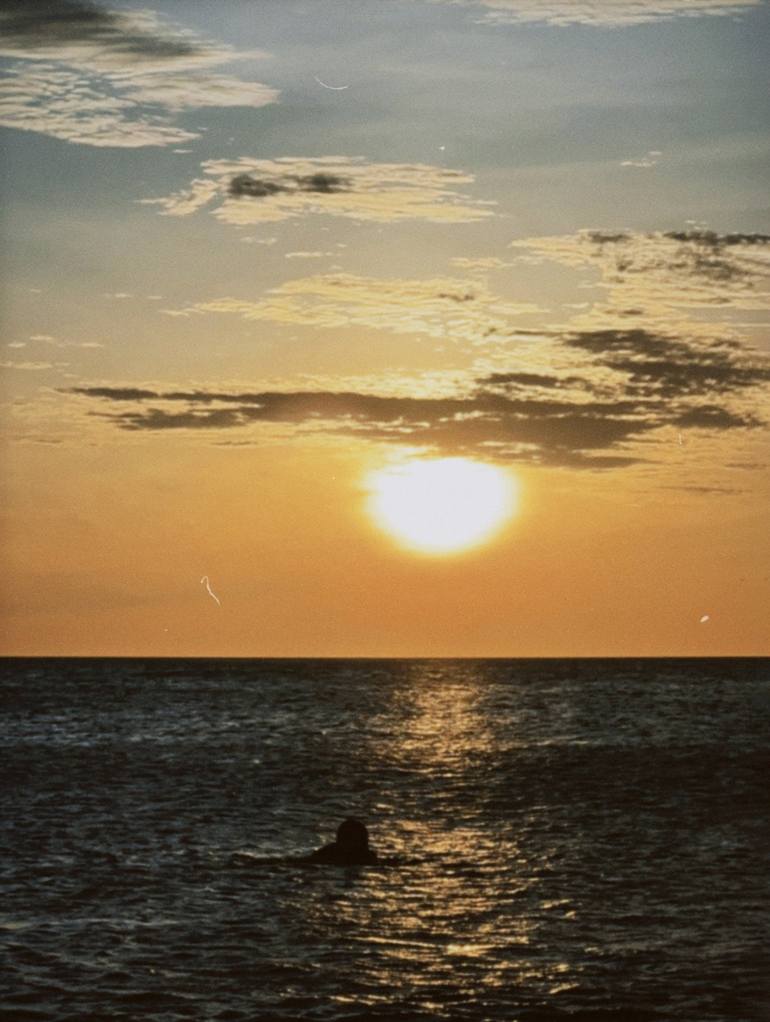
(441, 506)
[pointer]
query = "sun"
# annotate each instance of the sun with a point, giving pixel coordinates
(441, 505)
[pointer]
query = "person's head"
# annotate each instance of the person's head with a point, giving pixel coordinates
(352, 835)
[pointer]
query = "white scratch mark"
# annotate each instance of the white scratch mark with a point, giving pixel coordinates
(334, 88)
(205, 581)
(680, 440)
(704, 619)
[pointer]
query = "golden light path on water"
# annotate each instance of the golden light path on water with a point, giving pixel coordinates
(441, 506)
(464, 909)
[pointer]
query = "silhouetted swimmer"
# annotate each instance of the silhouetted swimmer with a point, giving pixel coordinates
(350, 849)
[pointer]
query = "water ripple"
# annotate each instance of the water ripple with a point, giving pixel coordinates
(559, 840)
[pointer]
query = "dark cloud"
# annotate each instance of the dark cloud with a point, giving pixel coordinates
(531, 380)
(666, 367)
(714, 417)
(662, 381)
(710, 490)
(245, 184)
(30, 24)
(115, 393)
(296, 406)
(636, 342)
(607, 237)
(713, 240)
(155, 419)
(321, 182)
(260, 188)
(552, 432)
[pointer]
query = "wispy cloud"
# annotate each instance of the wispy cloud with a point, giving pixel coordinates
(250, 191)
(100, 77)
(650, 159)
(250, 239)
(306, 255)
(663, 275)
(601, 13)
(34, 366)
(71, 106)
(442, 307)
(55, 342)
(578, 420)
(479, 264)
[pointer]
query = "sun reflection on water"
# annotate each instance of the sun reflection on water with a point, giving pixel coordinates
(459, 907)
(467, 895)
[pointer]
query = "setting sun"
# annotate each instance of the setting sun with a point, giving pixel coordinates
(443, 505)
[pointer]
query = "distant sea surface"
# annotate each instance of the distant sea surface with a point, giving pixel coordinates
(562, 840)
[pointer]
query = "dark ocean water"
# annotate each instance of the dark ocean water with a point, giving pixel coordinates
(566, 840)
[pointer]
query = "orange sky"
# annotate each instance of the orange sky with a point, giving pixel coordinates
(107, 569)
(497, 244)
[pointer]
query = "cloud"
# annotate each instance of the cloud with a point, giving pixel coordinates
(251, 191)
(665, 274)
(306, 255)
(116, 393)
(85, 29)
(480, 263)
(710, 490)
(55, 342)
(601, 13)
(520, 379)
(256, 188)
(93, 76)
(444, 308)
(69, 106)
(250, 239)
(660, 367)
(553, 431)
(650, 159)
(712, 417)
(33, 365)
(540, 418)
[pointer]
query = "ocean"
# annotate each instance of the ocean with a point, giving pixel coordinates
(559, 840)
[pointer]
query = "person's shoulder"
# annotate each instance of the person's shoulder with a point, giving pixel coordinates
(327, 854)
(333, 855)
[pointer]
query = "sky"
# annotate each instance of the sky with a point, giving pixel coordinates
(266, 263)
